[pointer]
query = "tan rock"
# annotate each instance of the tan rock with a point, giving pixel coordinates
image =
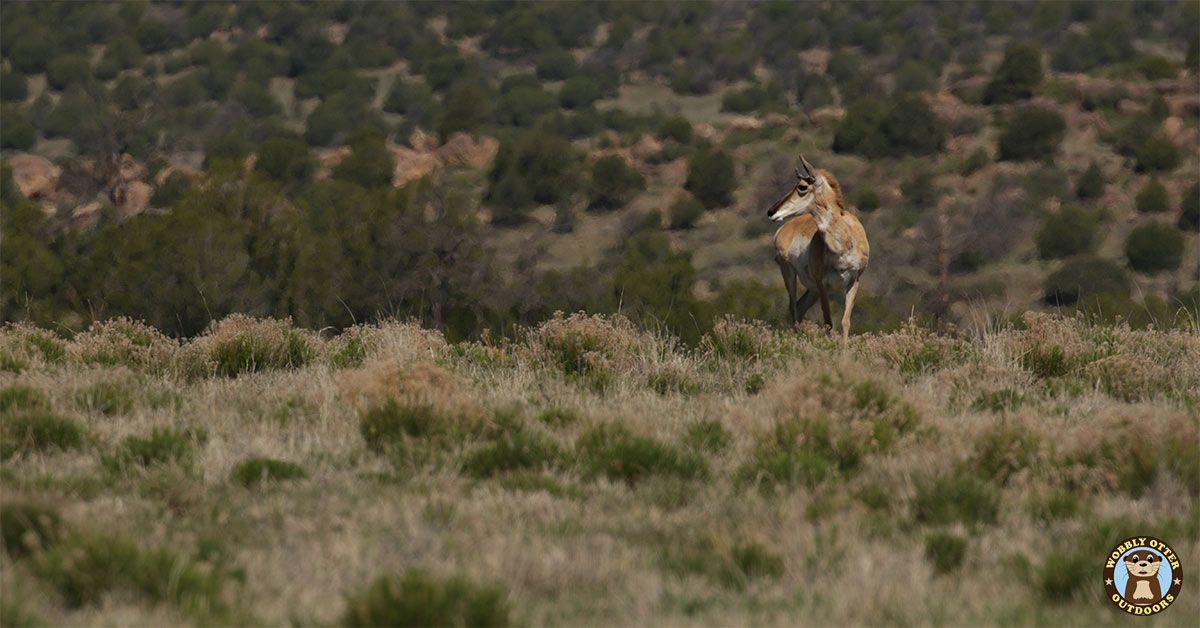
(331, 157)
(822, 116)
(129, 169)
(412, 165)
(1171, 127)
(816, 59)
(646, 145)
(464, 150)
(746, 122)
(86, 216)
(422, 141)
(967, 86)
(1128, 107)
(1184, 105)
(184, 169)
(34, 175)
(136, 199)
(336, 33)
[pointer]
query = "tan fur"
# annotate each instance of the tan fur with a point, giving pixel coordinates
(825, 247)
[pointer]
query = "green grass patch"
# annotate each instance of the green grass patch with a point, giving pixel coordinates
(785, 458)
(558, 417)
(388, 426)
(945, 551)
(1046, 361)
(707, 435)
(163, 446)
(250, 353)
(959, 497)
(107, 398)
(28, 527)
(734, 566)
(1060, 504)
(18, 398)
(1003, 451)
(533, 482)
(672, 381)
(998, 401)
(612, 451)
(38, 431)
(260, 471)
(419, 599)
(1062, 575)
(516, 449)
(83, 568)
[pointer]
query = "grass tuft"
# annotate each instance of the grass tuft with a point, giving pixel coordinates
(18, 398)
(28, 527)
(945, 551)
(163, 446)
(519, 449)
(959, 497)
(708, 435)
(612, 451)
(107, 398)
(38, 431)
(1062, 575)
(261, 471)
(418, 599)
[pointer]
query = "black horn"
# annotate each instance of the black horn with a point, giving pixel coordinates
(807, 175)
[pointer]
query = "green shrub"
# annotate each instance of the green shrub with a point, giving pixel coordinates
(1189, 209)
(1083, 276)
(556, 65)
(558, 417)
(1062, 574)
(466, 107)
(783, 458)
(711, 177)
(1158, 154)
(1061, 504)
(864, 199)
(259, 471)
(684, 212)
(1154, 247)
(18, 397)
(531, 168)
(250, 352)
(29, 527)
(285, 158)
(163, 446)
(414, 99)
(1031, 133)
(107, 398)
(1003, 451)
(874, 129)
(38, 431)
(386, 426)
(84, 568)
(733, 566)
(1018, 76)
(19, 132)
(515, 449)
(1070, 231)
(1046, 361)
(998, 401)
(67, 70)
(419, 599)
(14, 87)
(612, 451)
(579, 92)
(1091, 183)
(708, 435)
(676, 128)
(1152, 198)
(945, 551)
(614, 183)
(959, 497)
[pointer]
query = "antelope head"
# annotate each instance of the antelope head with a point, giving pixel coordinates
(800, 198)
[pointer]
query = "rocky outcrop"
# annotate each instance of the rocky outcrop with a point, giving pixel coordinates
(35, 176)
(135, 200)
(822, 116)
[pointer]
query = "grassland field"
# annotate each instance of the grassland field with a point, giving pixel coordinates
(589, 472)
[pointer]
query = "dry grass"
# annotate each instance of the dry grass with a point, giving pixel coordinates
(590, 473)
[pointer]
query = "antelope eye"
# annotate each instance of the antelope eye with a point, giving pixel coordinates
(803, 187)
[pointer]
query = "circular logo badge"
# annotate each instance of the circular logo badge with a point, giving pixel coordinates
(1142, 576)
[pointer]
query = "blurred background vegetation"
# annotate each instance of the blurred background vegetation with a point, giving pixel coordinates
(477, 165)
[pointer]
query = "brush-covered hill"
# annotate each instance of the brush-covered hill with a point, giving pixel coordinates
(590, 472)
(468, 163)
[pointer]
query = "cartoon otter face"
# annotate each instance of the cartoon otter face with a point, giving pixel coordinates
(1143, 563)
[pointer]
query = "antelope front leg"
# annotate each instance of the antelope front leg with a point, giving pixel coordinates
(824, 296)
(850, 294)
(789, 282)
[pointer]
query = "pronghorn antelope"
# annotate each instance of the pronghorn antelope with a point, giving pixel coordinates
(824, 246)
